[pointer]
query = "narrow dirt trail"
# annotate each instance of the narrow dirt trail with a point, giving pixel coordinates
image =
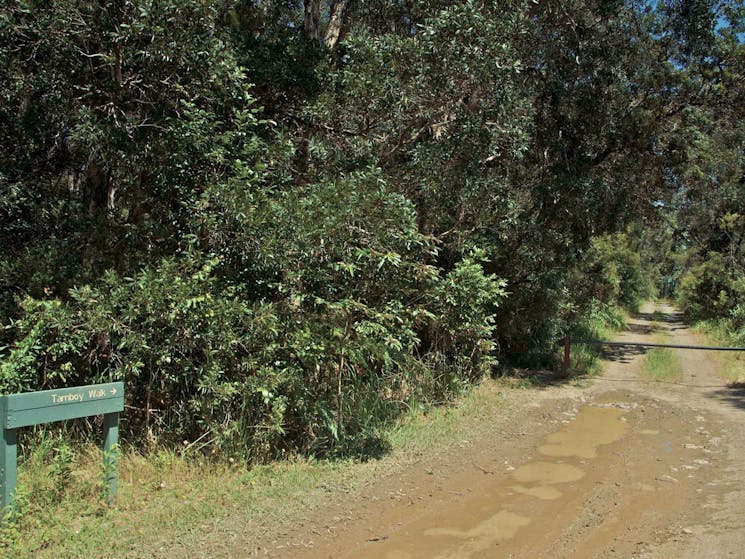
(624, 468)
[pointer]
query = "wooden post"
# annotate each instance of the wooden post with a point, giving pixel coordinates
(110, 454)
(8, 458)
(567, 353)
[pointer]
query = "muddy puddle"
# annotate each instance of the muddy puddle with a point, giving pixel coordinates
(515, 505)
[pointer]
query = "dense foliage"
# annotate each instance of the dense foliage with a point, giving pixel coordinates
(708, 206)
(282, 223)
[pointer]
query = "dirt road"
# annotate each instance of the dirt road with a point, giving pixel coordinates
(623, 467)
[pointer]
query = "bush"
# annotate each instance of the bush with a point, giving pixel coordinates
(189, 352)
(310, 322)
(708, 290)
(612, 273)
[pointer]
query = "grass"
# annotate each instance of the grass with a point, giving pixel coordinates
(731, 364)
(661, 363)
(165, 502)
(431, 428)
(170, 505)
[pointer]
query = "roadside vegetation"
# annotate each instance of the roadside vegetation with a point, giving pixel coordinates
(732, 364)
(169, 498)
(599, 325)
(287, 225)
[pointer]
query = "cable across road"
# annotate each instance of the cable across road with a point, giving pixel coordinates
(650, 344)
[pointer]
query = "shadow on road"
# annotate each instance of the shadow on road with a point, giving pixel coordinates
(732, 394)
(621, 354)
(640, 328)
(674, 320)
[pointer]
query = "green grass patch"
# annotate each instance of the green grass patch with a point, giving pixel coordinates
(661, 363)
(731, 365)
(170, 505)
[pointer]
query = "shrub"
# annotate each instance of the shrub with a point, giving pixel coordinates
(707, 290)
(310, 321)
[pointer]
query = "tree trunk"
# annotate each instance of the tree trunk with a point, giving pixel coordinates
(313, 20)
(118, 65)
(336, 22)
(97, 190)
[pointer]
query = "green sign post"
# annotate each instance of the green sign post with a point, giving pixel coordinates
(33, 408)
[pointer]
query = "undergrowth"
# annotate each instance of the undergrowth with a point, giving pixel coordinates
(601, 323)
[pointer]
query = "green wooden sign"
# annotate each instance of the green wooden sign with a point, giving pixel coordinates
(34, 408)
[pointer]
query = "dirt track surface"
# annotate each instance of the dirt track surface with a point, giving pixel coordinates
(622, 468)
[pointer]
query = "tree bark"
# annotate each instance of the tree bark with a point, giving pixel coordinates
(336, 22)
(312, 24)
(118, 65)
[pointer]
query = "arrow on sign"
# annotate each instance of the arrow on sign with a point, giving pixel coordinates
(113, 391)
